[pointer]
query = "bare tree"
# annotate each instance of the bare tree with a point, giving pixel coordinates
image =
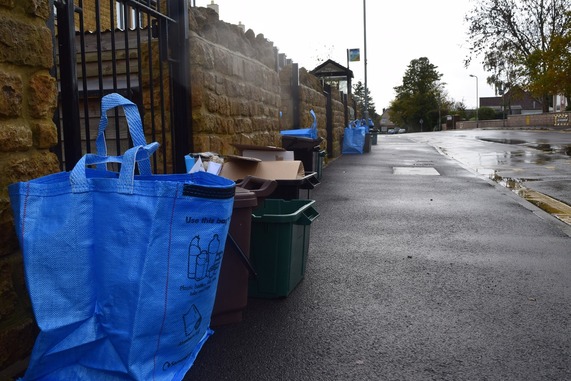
(506, 33)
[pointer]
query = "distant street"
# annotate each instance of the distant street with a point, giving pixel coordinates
(535, 159)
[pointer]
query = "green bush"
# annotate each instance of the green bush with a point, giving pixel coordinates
(486, 113)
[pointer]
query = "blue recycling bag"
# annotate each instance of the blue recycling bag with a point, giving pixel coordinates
(354, 139)
(121, 269)
(310, 132)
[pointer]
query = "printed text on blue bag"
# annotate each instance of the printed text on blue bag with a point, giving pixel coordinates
(206, 220)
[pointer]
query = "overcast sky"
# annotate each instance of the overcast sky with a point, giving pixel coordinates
(398, 32)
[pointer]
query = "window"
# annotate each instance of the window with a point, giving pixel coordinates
(127, 17)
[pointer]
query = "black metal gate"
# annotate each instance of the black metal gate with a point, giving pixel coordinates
(137, 48)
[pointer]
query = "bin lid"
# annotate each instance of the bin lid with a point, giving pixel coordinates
(294, 143)
(282, 211)
(245, 198)
(308, 181)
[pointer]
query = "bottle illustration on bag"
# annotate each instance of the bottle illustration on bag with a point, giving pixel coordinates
(204, 263)
(215, 256)
(193, 254)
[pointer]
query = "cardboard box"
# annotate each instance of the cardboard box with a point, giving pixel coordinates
(269, 155)
(238, 167)
(265, 153)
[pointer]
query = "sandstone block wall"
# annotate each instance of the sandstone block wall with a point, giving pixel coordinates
(235, 87)
(312, 96)
(562, 120)
(90, 17)
(240, 96)
(27, 103)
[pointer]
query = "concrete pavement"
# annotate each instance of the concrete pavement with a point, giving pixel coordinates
(411, 275)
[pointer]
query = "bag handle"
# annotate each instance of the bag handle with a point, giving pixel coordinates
(78, 175)
(133, 156)
(134, 123)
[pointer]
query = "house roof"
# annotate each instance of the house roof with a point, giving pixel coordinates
(516, 97)
(330, 69)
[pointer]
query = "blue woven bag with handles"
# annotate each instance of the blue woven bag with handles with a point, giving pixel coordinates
(122, 269)
(354, 138)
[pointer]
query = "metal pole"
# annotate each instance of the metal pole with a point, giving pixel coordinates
(504, 107)
(365, 56)
(439, 115)
(178, 41)
(439, 125)
(68, 82)
(477, 99)
(477, 104)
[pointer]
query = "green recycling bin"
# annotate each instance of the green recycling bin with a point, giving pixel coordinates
(279, 246)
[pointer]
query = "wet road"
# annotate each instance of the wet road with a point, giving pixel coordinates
(418, 269)
(538, 160)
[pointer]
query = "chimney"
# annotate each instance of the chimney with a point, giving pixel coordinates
(214, 7)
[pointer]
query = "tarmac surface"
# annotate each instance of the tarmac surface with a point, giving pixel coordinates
(533, 162)
(417, 270)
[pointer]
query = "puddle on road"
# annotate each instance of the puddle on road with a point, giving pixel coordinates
(502, 141)
(564, 149)
(520, 156)
(513, 158)
(531, 157)
(550, 205)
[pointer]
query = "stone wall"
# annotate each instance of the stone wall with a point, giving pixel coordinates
(27, 103)
(90, 17)
(338, 121)
(235, 87)
(560, 120)
(240, 96)
(311, 97)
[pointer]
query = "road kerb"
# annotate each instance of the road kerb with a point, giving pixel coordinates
(552, 206)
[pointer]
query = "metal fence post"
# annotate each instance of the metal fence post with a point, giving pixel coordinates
(68, 82)
(329, 119)
(180, 82)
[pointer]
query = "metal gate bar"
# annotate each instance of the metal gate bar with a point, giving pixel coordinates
(113, 63)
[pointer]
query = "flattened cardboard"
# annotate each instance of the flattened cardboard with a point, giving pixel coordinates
(266, 153)
(269, 155)
(252, 147)
(238, 167)
(280, 170)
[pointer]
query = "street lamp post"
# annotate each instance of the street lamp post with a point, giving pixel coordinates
(439, 115)
(365, 57)
(437, 94)
(477, 99)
